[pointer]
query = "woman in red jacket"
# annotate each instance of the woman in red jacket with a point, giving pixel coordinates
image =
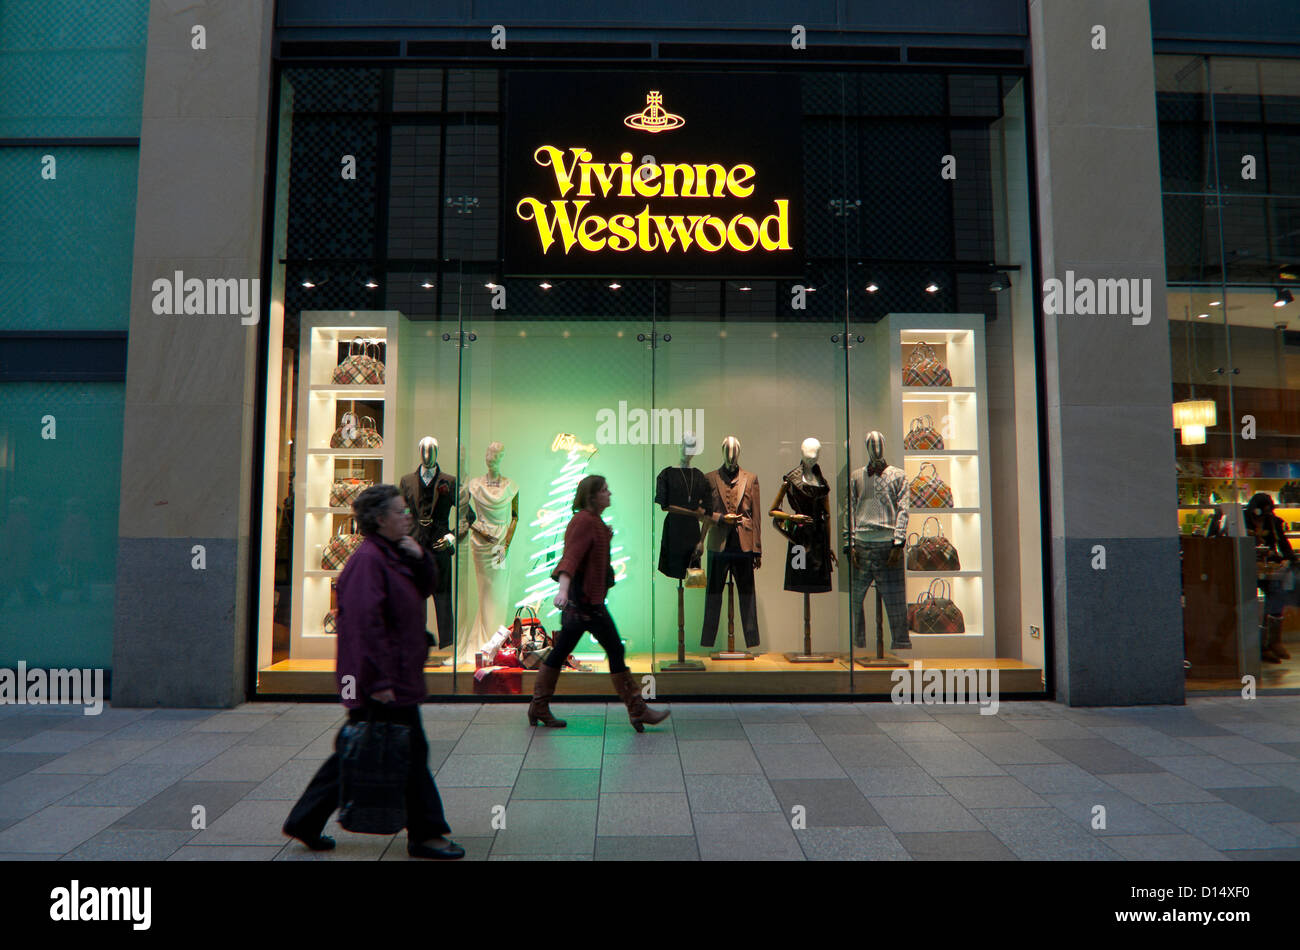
(382, 649)
(585, 574)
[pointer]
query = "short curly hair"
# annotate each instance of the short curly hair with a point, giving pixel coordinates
(369, 507)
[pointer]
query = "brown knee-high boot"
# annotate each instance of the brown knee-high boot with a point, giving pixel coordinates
(637, 711)
(539, 710)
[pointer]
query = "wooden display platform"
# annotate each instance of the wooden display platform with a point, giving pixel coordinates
(767, 673)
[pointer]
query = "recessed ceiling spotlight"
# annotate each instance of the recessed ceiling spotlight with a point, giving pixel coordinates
(308, 284)
(872, 287)
(370, 283)
(615, 286)
(1216, 303)
(427, 285)
(544, 285)
(931, 288)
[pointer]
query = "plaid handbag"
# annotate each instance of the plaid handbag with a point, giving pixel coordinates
(346, 490)
(934, 611)
(924, 368)
(932, 552)
(374, 762)
(929, 491)
(354, 434)
(922, 435)
(339, 549)
(360, 369)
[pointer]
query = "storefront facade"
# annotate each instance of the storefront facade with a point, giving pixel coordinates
(573, 247)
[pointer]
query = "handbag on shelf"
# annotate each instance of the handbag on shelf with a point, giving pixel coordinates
(934, 611)
(360, 368)
(929, 491)
(924, 368)
(374, 762)
(340, 547)
(346, 490)
(353, 433)
(932, 552)
(331, 620)
(923, 435)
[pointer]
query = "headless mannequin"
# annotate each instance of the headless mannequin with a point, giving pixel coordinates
(495, 479)
(495, 500)
(809, 452)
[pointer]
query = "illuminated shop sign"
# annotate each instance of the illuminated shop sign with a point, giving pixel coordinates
(700, 178)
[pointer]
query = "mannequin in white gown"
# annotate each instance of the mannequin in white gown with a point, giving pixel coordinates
(495, 499)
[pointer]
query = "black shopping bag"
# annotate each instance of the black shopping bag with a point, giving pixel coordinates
(374, 763)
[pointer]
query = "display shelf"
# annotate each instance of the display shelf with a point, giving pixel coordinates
(352, 392)
(324, 340)
(960, 413)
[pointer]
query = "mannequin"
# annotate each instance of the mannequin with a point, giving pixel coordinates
(684, 493)
(495, 500)
(810, 525)
(734, 542)
(874, 538)
(808, 563)
(430, 493)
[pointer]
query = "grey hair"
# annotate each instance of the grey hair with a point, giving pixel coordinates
(494, 450)
(369, 507)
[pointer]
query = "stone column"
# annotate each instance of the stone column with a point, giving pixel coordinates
(1118, 631)
(181, 633)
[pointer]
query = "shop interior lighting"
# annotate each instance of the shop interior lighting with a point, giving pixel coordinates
(931, 288)
(1284, 297)
(1193, 417)
(370, 283)
(872, 287)
(1201, 316)
(615, 286)
(308, 284)
(1216, 303)
(545, 286)
(427, 285)
(744, 287)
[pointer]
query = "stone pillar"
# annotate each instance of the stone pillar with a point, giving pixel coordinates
(181, 634)
(1118, 631)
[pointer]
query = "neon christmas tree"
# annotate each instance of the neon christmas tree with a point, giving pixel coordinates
(552, 520)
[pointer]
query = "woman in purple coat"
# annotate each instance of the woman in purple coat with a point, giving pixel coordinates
(382, 649)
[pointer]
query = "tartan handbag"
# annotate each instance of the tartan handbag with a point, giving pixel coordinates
(374, 762)
(929, 491)
(932, 552)
(339, 549)
(922, 435)
(529, 637)
(354, 434)
(360, 369)
(934, 611)
(345, 491)
(924, 368)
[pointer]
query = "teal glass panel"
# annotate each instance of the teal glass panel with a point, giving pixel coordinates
(69, 68)
(66, 243)
(58, 521)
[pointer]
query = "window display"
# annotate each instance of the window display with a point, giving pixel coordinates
(488, 396)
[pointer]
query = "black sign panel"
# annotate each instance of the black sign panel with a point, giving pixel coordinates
(653, 174)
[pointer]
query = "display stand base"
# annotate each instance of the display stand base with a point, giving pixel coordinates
(808, 658)
(681, 666)
(736, 655)
(885, 662)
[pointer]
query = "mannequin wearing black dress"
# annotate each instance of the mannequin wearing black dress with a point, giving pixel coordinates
(810, 556)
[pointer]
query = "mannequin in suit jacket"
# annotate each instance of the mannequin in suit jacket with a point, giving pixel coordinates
(431, 493)
(733, 537)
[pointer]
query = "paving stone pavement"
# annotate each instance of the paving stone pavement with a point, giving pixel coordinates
(1217, 779)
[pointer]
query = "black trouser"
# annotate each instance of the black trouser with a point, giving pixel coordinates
(578, 619)
(424, 817)
(442, 599)
(741, 566)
